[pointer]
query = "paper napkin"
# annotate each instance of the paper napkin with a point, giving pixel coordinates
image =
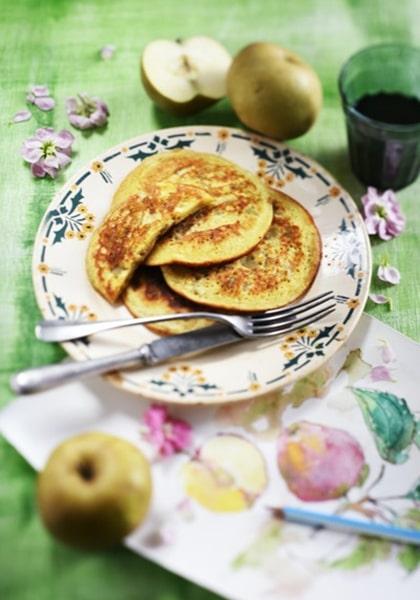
(211, 519)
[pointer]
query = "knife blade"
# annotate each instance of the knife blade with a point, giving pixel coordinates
(213, 336)
(41, 378)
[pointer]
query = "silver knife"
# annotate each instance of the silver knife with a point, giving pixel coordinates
(41, 378)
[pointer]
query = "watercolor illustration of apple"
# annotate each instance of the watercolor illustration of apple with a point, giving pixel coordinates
(318, 462)
(227, 474)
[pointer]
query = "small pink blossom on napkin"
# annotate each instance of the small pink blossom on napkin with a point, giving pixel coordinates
(160, 536)
(85, 112)
(48, 151)
(107, 52)
(381, 373)
(383, 215)
(167, 434)
(40, 96)
(21, 116)
(387, 353)
(185, 510)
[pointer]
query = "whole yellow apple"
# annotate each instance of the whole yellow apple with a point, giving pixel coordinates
(274, 91)
(94, 490)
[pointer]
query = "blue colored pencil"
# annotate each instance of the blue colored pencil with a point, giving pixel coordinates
(337, 522)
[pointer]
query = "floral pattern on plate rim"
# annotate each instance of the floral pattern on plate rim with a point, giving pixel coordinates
(69, 217)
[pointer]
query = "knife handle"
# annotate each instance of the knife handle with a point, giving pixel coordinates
(36, 379)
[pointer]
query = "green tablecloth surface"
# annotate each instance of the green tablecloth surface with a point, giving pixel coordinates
(57, 42)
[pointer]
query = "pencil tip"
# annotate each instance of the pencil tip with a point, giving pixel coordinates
(277, 512)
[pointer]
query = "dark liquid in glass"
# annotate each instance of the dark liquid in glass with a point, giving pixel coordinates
(380, 157)
(395, 109)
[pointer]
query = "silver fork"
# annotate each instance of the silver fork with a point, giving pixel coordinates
(264, 324)
(274, 322)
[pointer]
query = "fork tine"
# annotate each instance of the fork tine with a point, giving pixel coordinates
(284, 326)
(292, 311)
(283, 330)
(291, 307)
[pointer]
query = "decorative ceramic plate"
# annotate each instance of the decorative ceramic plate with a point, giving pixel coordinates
(232, 373)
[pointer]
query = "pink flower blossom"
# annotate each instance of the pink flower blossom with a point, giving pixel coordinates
(389, 274)
(40, 96)
(318, 462)
(167, 434)
(381, 373)
(84, 112)
(48, 151)
(383, 215)
(107, 52)
(21, 116)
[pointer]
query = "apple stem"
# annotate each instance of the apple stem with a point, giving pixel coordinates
(86, 471)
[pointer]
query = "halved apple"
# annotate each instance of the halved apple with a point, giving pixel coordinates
(185, 76)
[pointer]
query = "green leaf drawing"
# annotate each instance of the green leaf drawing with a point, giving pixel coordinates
(417, 436)
(410, 519)
(366, 552)
(262, 547)
(409, 558)
(364, 474)
(390, 420)
(414, 493)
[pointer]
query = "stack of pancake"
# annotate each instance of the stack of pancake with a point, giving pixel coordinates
(191, 231)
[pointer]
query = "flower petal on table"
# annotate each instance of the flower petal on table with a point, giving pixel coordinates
(389, 274)
(379, 298)
(39, 90)
(45, 103)
(21, 115)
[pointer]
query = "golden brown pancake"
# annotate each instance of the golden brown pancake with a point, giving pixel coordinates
(148, 295)
(164, 190)
(238, 219)
(215, 234)
(131, 229)
(277, 272)
(219, 176)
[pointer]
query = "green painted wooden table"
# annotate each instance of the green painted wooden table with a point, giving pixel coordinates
(57, 42)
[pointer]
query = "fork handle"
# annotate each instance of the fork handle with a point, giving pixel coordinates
(41, 378)
(60, 330)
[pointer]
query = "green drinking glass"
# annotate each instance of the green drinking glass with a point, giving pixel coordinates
(380, 94)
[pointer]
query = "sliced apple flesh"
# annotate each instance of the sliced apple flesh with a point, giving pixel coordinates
(185, 76)
(228, 474)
